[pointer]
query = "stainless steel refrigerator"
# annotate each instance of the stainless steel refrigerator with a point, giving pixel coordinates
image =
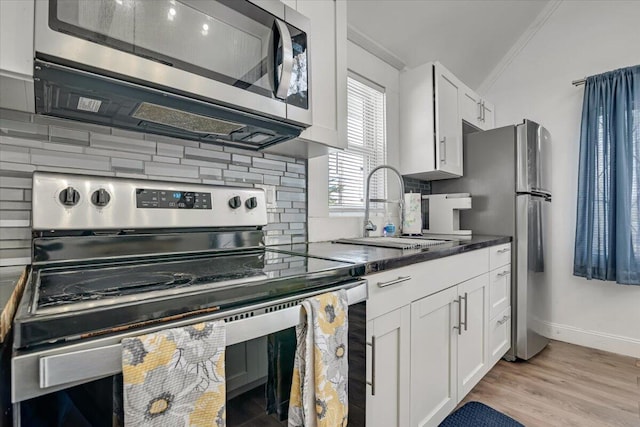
(506, 170)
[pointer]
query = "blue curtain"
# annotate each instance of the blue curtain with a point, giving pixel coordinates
(607, 243)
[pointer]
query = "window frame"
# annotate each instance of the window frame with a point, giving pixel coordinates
(368, 154)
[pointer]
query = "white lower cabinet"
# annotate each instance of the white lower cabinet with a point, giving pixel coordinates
(388, 347)
(245, 366)
(473, 341)
(449, 349)
(436, 338)
(433, 357)
(499, 336)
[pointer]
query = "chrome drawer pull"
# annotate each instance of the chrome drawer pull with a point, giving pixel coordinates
(460, 323)
(502, 251)
(466, 306)
(372, 383)
(393, 282)
(502, 273)
(503, 320)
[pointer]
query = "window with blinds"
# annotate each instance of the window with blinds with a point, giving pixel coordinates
(366, 149)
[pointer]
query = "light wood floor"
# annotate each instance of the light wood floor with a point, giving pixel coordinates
(565, 385)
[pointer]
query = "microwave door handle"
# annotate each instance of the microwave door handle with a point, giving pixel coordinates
(282, 85)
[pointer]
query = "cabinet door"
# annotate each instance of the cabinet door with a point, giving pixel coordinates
(488, 117)
(499, 336)
(470, 107)
(16, 55)
(388, 347)
(246, 365)
(448, 124)
(433, 357)
(328, 62)
(473, 343)
(500, 290)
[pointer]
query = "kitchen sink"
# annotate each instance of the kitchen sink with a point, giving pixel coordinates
(395, 242)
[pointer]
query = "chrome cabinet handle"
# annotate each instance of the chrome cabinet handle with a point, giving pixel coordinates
(459, 327)
(502, 251)
(480, 110)
(443, 149)
(394, 281)
(372, 383)
(503, 320)
(281, 84)
(483, 110)
(502, 273)
(466, 311)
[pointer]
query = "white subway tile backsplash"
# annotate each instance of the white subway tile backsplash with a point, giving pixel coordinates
(30, 142)
(69, 160)
(99, 140)
(127, 164)
(167, 169)
(10, 153)
(269, 164)
(11, 194)
(200, 154)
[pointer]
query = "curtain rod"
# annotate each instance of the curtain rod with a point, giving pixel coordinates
(579, 82)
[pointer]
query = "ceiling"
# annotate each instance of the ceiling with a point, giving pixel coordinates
(469, 37)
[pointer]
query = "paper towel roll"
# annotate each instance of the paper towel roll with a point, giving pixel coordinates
(412, 215)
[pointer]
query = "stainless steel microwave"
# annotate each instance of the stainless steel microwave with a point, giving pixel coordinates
(169, 66)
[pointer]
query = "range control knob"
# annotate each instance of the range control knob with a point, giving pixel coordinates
(100, 197)
(235, 202)
(251, 203)
(69, 196)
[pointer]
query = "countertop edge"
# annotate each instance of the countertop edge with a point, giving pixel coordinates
(378, 266)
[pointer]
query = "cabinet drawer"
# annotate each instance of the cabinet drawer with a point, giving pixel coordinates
(499, 255)
(499, 336)
(392, 289)
(500, 290)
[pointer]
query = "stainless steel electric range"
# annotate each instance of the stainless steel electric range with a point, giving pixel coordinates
(115, 257)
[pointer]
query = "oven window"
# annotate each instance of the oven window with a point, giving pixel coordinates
(266, 402)
(86, 405)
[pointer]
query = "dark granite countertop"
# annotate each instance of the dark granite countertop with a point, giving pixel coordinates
(378, 259)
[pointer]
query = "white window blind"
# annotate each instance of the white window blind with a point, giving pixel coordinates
(366, 149)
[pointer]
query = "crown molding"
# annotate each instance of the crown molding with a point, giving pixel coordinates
(357, 37)
(519, 45)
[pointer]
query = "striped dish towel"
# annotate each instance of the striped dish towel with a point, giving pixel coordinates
(319, 389)
(175, 377)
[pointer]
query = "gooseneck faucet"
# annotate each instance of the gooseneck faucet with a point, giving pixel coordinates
(368, 225)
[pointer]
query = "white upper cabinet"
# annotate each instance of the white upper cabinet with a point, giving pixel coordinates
(16, 58)
(448, 125)
(433, 104)
(328, 62)
(475, 110)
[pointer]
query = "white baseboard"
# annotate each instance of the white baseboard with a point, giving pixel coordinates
(602, 341)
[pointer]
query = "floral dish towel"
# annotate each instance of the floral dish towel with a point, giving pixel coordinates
(319, 389)
(175, 377)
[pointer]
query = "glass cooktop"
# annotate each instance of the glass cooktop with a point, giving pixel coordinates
(97, 285)
(81, 301)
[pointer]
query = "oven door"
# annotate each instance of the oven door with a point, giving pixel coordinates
(74, 377)
(231, 52)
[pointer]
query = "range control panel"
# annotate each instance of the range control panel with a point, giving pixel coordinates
(167, 199)
(83, 202)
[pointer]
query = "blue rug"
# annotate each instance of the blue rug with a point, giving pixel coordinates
(475, 414)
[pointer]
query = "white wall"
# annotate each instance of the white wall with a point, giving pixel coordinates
(579, 39)
(321, 225)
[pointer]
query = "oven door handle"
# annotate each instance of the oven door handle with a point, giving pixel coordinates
(59, 371)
